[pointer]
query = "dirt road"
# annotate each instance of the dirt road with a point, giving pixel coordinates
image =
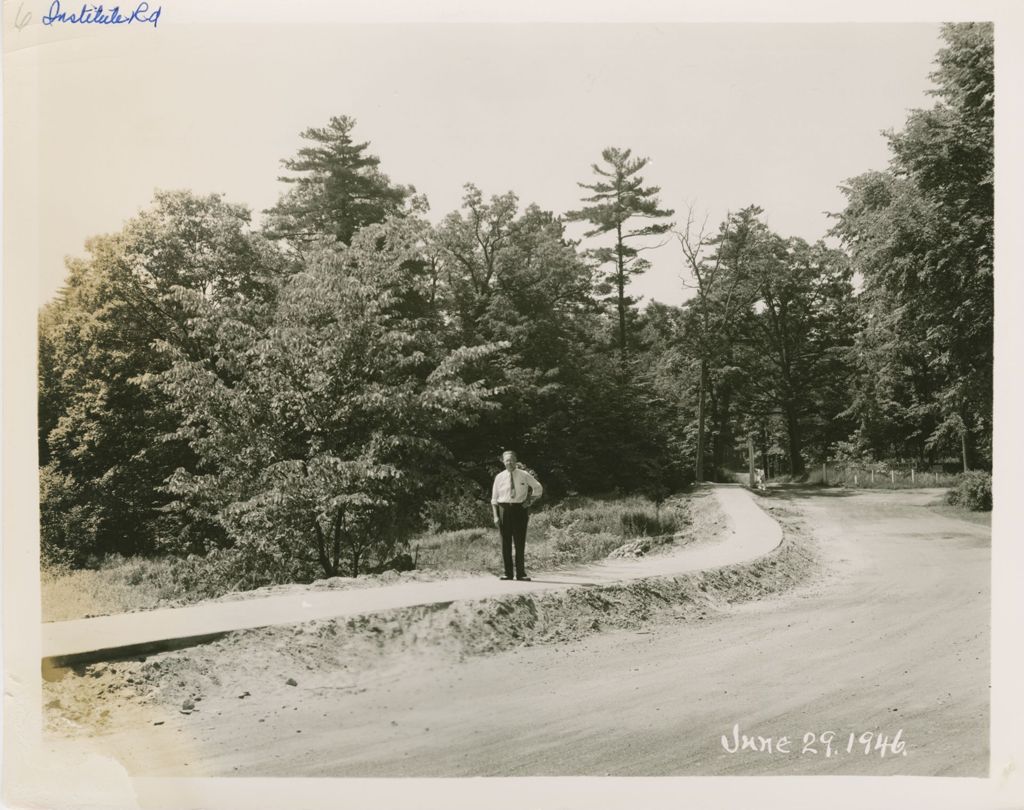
(894, 638)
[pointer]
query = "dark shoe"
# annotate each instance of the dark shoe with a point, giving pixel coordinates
(524, 579)
(504, 577)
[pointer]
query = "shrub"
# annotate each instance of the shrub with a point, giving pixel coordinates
(571, 544)
(455, 508)
(645, 524)
(973, 491)
(240, 569)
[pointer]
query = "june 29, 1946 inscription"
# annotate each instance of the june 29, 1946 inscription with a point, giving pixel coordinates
(825, 743)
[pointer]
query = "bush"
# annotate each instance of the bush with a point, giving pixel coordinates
(455, 508)
(646, 524)
(973, 491)
(571, 544)
(243, 568)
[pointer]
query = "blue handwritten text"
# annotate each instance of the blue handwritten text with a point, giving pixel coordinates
(97, 15)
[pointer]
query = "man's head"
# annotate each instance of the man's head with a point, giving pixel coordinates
(508, 458)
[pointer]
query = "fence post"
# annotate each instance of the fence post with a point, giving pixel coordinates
(855, 479)
(892, 477)
(912, 475)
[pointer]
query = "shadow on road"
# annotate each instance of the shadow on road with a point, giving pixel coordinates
(787, 492)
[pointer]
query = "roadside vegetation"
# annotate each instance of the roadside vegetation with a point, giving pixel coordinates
(970, 491)
(576, 530)
(973, 491)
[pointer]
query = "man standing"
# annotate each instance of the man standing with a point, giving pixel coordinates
(513, 492)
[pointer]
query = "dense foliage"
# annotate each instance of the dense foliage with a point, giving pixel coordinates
(921, 235)
(103, 437)
(300, 401)
(973, 491)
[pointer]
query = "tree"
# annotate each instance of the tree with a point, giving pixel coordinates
(768, 329)
(617, 199)
(101, 433)
(338, 188)
(473, 244)
(921, 234)
(514, 277)
(717, 264)
(318, 435)
(796, 339)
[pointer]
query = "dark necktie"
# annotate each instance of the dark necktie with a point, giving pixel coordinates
(512, 481)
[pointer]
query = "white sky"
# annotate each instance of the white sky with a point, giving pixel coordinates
(729, 114)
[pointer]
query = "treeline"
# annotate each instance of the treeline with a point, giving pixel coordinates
(301, 398)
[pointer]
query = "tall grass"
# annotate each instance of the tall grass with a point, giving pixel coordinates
(578, 530)
(119, 585)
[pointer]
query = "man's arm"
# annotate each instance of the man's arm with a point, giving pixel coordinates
(535, 491)
(494, 500)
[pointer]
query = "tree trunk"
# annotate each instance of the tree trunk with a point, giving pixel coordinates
(714, 430)
(796, 461)
(621, 283)
(321, 549)
(750, 461)
(724, 436)
(699, 466)
(336, 542)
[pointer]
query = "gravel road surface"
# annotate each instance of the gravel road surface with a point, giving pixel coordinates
(892, 641)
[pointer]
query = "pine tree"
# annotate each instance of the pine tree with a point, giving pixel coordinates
(619, 197)
(339, 188)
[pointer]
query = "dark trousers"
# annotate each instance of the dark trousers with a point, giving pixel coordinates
(512, 520)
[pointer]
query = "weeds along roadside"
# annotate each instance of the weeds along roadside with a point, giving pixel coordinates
(359, 647)
(576, 530)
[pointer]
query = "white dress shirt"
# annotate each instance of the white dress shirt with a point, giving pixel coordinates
(501, 492)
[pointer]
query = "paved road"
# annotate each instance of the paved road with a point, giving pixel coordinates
(749, 534)
(894, 639)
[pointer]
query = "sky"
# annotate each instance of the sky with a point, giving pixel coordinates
(777, 115)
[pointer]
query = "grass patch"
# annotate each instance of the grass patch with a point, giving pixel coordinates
(119, 585)
(577, 530)
(961, 513)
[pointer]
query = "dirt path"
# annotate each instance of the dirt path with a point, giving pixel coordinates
(894, 638)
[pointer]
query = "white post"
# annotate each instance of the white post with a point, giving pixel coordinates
(912, 475)
(892, 477)
(855, 479)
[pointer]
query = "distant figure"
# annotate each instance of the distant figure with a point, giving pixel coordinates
(513, 493)
(759, 478)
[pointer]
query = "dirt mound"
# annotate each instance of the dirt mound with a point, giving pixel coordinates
(343, 654)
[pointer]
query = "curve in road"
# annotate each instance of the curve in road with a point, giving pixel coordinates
(749, 533)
